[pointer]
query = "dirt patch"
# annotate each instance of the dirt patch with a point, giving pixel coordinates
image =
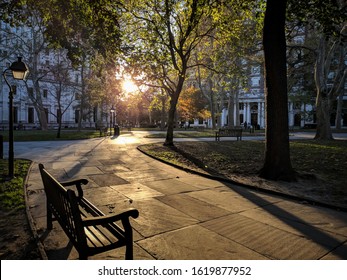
(16, 241)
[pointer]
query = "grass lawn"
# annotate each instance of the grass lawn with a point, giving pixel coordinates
(321, 165)
(12, 191)
(50, 135)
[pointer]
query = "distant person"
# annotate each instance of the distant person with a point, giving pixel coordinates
(245, 125)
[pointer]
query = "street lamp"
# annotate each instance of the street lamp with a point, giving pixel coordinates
(112, 115)
(19, 71)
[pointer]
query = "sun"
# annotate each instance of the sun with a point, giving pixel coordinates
(129, 86)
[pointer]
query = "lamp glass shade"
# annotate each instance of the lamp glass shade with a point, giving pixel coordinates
(19, 69)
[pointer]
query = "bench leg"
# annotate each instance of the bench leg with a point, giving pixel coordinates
(129, 251)
(82, 256)
(128, 233)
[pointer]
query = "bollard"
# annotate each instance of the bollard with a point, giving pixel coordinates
(116, 131)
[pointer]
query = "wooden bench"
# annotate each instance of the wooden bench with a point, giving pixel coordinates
(90, 230)
(229, 132)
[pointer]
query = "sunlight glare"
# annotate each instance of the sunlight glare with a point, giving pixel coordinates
(129, 86)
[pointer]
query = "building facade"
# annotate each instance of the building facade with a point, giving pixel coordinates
(53, 86)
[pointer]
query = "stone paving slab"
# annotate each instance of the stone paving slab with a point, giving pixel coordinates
(156, 217)
(327, 219)
(170, 186)
(201, 182)
(108, 179)
(196, 243)
(337, 253)
(105, 196)
(261, 238)
(144, 175)
(195, 208)
(136, 191)
(82, 171)
(230, 200)
(295, 227)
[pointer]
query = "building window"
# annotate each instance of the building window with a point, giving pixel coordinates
(30, 115)
(255, 70)
(30, 91)
(241, 106)
(45, 93)
(77, 115)
(255, 81)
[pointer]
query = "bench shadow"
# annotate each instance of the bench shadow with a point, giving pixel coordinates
(58, 253)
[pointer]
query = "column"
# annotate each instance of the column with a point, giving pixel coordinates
(291, 114)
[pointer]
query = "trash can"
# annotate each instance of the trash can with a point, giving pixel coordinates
(116, 130)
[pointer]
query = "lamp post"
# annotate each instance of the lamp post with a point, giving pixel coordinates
(19, 71)
(111, 118)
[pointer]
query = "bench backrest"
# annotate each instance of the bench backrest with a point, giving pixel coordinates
(63, 204)
(231, 131)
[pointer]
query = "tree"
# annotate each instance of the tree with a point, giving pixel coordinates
(63, 91)
(87, 30)
(277, 163)
(330, 81)
(160, 103)
(326, 22)
(220, 72)
(32, 46)
(192, 104)
(163, 35)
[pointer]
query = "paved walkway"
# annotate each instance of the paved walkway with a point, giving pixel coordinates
(182, 216)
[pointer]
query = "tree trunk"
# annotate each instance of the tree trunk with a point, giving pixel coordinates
(83, 96)
(163, 113)
(237, 102)
(42, 118)
(172, 111)
(323, 109)
(171, 120)
(213, 112)
(322, 100)
(339, 111)
(231, 106)
(277, 164)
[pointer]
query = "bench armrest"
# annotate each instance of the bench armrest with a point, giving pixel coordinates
(78, 183)
(124, 216)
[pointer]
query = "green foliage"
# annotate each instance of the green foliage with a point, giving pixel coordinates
(12, 191)
(80, 26)
(328, 14)
(11, 11)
